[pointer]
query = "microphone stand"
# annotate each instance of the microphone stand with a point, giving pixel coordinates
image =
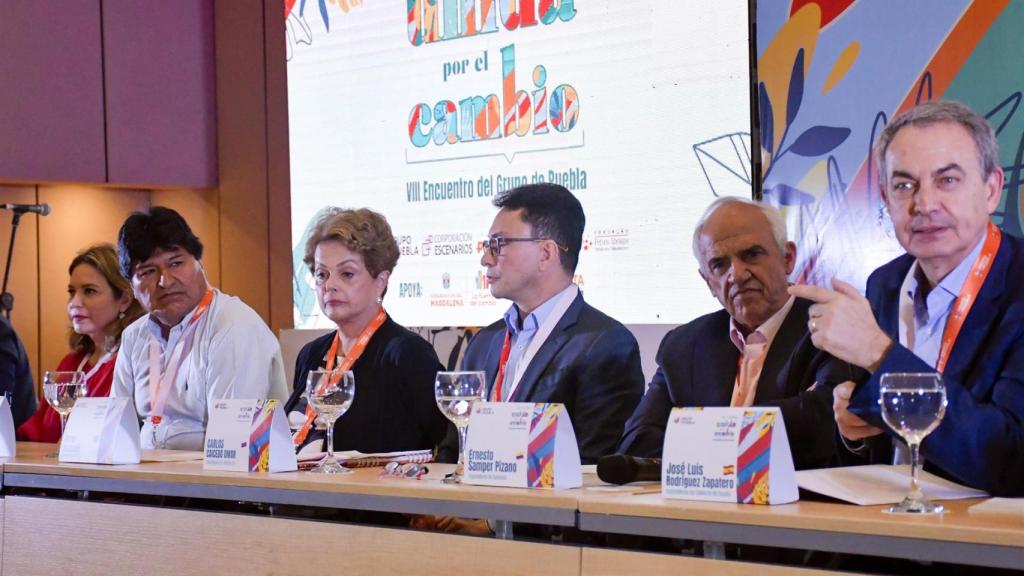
(6, 298)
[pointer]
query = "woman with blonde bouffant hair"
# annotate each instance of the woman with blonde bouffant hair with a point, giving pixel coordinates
(100, 306)
(351, 254)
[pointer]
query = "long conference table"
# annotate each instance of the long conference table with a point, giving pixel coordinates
(61, 518)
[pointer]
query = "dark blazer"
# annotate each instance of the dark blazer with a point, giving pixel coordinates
(16, 375)
(980, 441)
(590, 362)
(697, 367)
(394, 407)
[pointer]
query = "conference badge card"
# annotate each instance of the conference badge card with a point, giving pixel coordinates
(102, 431)
(522, 445)
(728, 455)
(248, 436)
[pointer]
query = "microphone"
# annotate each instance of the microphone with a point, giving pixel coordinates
(41, 209)
(623, 469)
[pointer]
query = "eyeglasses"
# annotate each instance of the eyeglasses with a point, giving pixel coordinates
(407, 470)
(496, 244)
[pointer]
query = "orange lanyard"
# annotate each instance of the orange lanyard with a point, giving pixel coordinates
(160, 384)
(346, 364)
(968, 294)
(506, 350)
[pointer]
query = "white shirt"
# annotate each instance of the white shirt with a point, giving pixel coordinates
(234, 355)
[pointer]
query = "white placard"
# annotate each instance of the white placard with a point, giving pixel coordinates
(102, 431)
(248, 436)
(728, 455)
(522, 445)
(8, 442)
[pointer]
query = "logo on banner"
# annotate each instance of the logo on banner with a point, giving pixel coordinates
(406, 247)
(482, 296)
(482, 283)
(448, 244)
(611, 239)
(446, 299)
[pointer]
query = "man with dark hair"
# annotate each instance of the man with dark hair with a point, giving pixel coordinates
(949, 305)
(15, 375)
(551, 346)
(195, 346)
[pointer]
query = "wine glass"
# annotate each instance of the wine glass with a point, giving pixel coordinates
(456, 392)
(913, 404)
(330, 393)
(61, 390)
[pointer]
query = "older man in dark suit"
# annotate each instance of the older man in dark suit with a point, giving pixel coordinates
(950, 304)
(755, 351)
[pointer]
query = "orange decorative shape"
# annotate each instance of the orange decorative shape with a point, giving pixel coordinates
(776, 63)
(842, 66)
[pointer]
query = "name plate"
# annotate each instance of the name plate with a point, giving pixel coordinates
(248, 436)
(522, 445)
(102, 431)
(728, 455)
(8, 441)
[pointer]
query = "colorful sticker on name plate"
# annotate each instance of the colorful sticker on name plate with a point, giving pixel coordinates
(259, 438)
(754, 456)
(543, 430)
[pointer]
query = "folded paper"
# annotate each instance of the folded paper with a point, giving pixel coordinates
(522, 444)
(728, 455)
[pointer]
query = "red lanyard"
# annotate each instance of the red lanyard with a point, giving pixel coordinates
(346, 364)
(506, 349)
(968, 294)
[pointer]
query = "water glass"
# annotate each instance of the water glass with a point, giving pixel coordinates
(456, 392)
(913, 405)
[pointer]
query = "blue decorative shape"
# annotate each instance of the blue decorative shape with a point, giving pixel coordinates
(796, 88)
(819, 140)
(766, 119)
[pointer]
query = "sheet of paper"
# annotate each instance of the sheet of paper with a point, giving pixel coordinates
(1002, 507)
(879, 484)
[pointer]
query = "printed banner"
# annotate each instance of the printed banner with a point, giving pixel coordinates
(427, 110)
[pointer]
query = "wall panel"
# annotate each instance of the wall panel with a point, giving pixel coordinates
(24, 280)
(80, 217)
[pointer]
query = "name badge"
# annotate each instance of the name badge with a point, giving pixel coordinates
(248, 436)
(728, 455)
(102, 431)
(522, 445)
(8, 442)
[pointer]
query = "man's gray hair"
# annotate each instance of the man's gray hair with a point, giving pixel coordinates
(770, 212)
(937, 112)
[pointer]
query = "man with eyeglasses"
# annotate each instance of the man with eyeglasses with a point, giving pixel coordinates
(756, 351)
(551, 346)
(196, 345)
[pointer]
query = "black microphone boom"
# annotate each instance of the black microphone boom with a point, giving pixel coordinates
(41, 209)
(623, 469)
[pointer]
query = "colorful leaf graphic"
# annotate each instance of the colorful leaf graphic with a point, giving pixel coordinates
(767, 124)
(796, 87)
(819, 140)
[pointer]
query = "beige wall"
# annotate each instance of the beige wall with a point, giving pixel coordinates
(244, 222)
